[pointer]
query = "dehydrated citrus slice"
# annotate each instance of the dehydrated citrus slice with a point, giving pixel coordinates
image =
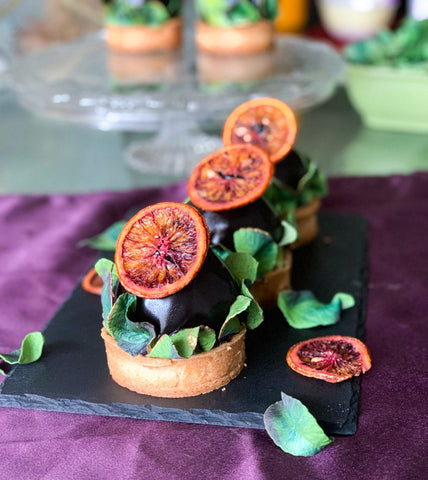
(161, 249)
(333, 358)
(231, 177)
(92, 282)
(267, 123)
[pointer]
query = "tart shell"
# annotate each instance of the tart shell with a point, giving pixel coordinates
(176, 378)
(143, 38)
(242, 40)
(307, 222)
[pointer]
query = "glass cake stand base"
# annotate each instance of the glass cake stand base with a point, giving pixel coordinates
(174, 150)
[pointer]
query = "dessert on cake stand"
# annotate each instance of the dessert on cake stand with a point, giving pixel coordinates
(173, 100)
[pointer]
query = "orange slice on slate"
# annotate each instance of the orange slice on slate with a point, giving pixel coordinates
(231, 177)
(161, 249)
(92, 282)
(265, 122)
(333, 358)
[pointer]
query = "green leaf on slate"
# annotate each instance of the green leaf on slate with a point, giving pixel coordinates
(232, 323)
(132, 337)
(164, 348)
(259, 244)
(106, 240)
(30, 351)
(255, 312)
(185, 341)
(206, 338)
(292, 427)
(242, 266)
(302, 310)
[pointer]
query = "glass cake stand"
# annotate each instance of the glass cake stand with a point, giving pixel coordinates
(176, 99)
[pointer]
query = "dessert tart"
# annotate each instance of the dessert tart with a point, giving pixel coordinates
(227, 186)
(238, 27)
(296, 192)
(170, 325)
(142, 25)
(297, 184)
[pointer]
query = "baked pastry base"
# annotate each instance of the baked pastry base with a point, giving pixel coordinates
(266, 291)
(144, 38)
(176, 378)
(307, 222)
(243, 40)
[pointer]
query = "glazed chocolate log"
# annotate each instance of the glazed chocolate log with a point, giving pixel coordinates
(258, 214)
(204, 301)
(290, 169)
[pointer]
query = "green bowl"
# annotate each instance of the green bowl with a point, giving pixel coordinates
(389, 98)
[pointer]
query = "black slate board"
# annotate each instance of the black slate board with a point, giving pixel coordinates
(72, 375)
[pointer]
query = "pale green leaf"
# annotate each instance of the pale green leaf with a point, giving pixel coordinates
(293, 428)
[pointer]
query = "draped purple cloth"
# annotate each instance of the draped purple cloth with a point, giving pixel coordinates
(40, 265)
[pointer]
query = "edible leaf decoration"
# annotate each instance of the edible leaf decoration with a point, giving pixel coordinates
(106, 240)
(30, 351)
(149, 12)
(289, 234)
(132, 337)
(206, 338)
(254, 312)
(163, 348)
(185, 341)
(284, 198)
(242, 266)
(224, 13)
(106, 269)
(292, 427)
(302, 310)
(232, 324)
(259, 244)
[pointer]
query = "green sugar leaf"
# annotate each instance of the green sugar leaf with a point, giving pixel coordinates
(132, 337)
(106, 269)
(232, 323)
(259, 244)
(185, 341)
(242, 266)
(280, 197)
(164, 348)
(289, 234)
(302, 310)
(206, 338)
(105, 240)
(293, 428)
(30, 351)
(255, 313)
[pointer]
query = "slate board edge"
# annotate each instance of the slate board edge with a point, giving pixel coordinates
(143, 412)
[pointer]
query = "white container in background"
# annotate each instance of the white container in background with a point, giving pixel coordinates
(418, 9)
(352, 20)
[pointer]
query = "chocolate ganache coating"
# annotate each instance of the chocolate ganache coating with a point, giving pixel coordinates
(290, 169)
(206, 300)
(257, 214)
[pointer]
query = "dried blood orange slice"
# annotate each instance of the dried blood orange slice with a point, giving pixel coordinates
(267, 123)
(333, 358)
(161, 249)
(92, 282)
(231, 177)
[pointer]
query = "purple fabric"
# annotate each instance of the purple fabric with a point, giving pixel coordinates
(40, 265)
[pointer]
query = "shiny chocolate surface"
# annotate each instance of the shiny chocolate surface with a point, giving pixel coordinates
(258, 214)
(290, 169)
(204, 301)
